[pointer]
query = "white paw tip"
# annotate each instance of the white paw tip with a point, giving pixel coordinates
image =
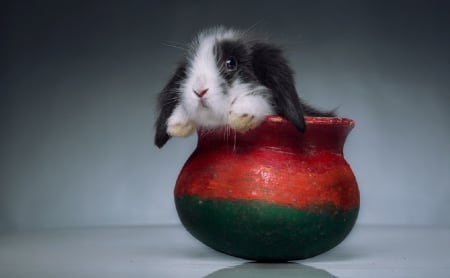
(181, 129)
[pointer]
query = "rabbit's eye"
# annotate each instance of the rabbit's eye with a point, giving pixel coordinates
(231, 64)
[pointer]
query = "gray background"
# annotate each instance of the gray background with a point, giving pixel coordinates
(79, 82)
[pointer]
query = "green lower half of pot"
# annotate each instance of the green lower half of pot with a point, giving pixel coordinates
(263, 231)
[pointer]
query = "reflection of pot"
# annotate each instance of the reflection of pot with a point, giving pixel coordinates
(285, 270)
(271, 194)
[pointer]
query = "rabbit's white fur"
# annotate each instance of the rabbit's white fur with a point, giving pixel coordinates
(242, 107)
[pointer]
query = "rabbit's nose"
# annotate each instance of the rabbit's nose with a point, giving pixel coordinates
(200, 93)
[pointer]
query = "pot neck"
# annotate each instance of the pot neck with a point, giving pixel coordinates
(321, 134)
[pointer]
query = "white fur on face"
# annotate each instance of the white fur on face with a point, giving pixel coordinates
(222, 100)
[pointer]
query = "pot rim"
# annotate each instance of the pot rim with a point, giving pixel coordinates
(309, 120)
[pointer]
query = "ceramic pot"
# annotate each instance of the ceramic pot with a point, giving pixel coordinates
(271, 194)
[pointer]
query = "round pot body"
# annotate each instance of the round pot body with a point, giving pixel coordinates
(271, 194)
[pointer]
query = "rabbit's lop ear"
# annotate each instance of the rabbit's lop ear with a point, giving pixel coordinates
(167, 101)
(273, 71)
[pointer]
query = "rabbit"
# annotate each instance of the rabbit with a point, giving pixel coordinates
(229, 79)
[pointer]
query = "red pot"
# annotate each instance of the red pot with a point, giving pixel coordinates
(271, 194)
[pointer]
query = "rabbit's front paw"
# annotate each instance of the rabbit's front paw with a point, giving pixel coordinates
(243, 122)
(181, 129)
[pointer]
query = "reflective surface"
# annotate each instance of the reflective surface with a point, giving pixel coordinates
(286, 270)
(169, 251)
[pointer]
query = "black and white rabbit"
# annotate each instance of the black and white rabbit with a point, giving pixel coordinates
(229, 79)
